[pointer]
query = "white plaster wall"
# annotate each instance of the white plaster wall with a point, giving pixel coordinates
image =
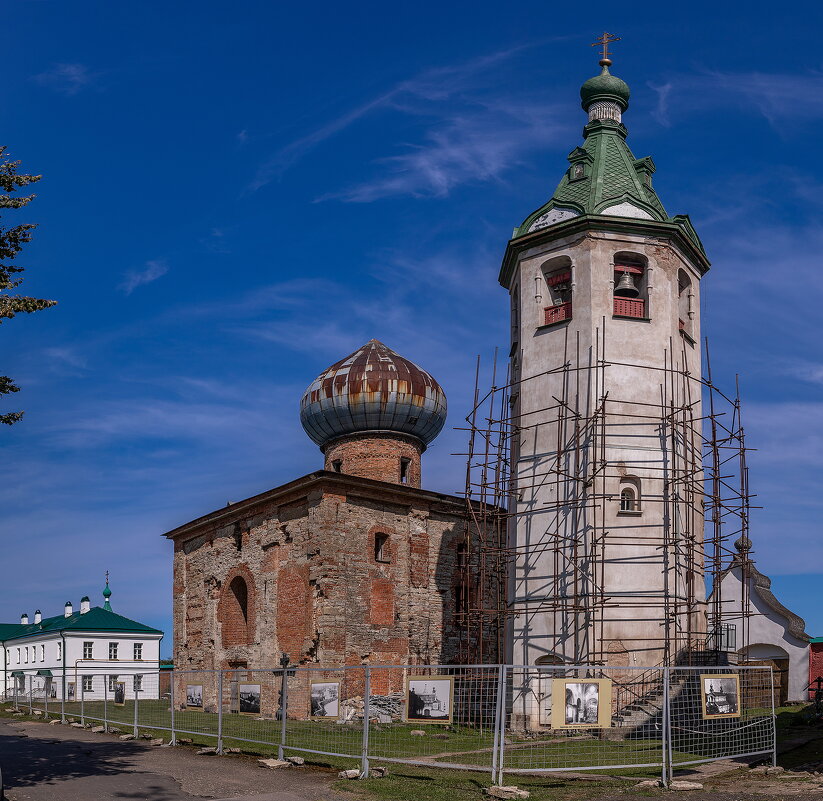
(768, 637)
(630, 567)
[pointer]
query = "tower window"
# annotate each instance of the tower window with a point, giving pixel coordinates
(630, 287)
(630, 496)
(381, 548)
(337, 465)
(577, 172)
(559, 283)
(404, 470)
(684, 304)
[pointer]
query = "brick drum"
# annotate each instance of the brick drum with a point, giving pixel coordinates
(378, 456)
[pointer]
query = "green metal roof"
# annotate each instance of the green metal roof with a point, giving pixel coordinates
(604, 173)
(96, 619)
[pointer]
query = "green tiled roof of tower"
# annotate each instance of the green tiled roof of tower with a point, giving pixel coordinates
(96, 619)
(604, 177)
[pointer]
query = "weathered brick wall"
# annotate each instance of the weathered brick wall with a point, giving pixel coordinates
(317, 589)
(376, 456)
(815, 663)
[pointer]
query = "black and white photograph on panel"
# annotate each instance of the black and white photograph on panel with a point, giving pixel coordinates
(325, 699)
(119, 693)
(720, 694)
(429, 699)
(581, 703)
(194, 696)
(249, 699)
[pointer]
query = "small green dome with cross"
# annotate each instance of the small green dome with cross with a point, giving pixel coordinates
(605, 88)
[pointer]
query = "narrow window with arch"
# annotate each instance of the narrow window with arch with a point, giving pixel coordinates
(629, 497)
(404, 470)
(631, 294)
(235, 612)
(382, 552)
(685, 313)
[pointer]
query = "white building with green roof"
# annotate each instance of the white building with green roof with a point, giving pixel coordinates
(79, 653)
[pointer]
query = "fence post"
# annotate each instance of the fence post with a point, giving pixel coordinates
(106, 704)
(63, 697)
(364, 757)
(774, 717)
(136, 696)
(497, 706)
(666, 733)
(501, 733)
(220, 711)
(284, 687)
(82, 700)
(173, 740)
(31, 695)
(46, 689)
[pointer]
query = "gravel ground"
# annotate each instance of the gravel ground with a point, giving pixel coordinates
(51, 763)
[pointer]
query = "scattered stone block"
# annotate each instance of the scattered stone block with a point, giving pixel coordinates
(417, 733)
(507, 791)
(680, 784)
(232, 751)
(55, 722)
(77, 725)
(294, 760)
(349, 774)
(184, 740)
(649, 783)
(97, 729)
(156, 741)
(37, 712)
(210, 751)
(127, 737)
(774, 770)
(378, 773)
(273, 763)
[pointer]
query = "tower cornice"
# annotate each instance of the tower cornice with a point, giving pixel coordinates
(679, 233)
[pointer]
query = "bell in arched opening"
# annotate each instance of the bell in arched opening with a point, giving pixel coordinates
(625, 286)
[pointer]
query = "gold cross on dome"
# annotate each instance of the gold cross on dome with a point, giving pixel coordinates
(604, 41)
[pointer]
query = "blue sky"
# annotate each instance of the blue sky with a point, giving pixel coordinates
(237, 195)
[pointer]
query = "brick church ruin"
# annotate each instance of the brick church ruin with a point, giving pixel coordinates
(352, 564)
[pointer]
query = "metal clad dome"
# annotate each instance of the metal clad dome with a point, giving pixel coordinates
(373, 389)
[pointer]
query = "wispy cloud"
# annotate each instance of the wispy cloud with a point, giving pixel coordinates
(470, 146)
(779, 97)
(470, 138)
(153, 270)
(67, 79)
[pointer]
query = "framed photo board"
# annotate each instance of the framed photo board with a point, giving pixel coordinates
(581, 703)
(194, 696)
(429, 699)
(248, 699)
(70, 691)
(119, 693)
(325, 700)
(720, 695)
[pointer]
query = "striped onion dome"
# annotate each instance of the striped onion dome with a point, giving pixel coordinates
(375, 390)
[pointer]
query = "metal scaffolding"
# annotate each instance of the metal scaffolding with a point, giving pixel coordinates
(702, 510)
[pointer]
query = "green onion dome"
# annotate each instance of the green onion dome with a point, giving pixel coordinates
(605, 88)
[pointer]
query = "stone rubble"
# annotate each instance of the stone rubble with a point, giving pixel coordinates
(349, 774)
(210, 751)
(126, 737)
(295, 760)
(506, 791)
(273, 763)
(680, 784)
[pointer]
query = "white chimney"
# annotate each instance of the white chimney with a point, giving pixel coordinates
(67, 612)
(24, 619)
(38, 617)
(85, 604)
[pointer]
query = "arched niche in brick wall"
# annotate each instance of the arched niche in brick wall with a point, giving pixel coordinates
(236, 608)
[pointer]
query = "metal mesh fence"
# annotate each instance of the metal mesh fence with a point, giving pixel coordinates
(492, 718)
(716, 713)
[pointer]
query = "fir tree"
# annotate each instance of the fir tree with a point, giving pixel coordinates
(11, 243)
